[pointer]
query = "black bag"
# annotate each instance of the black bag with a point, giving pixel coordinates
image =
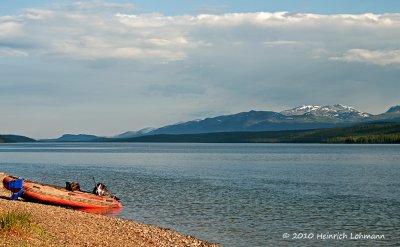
(72, 186)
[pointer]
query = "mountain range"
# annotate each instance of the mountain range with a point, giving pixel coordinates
(303, 117)
(72, 138)
(299, 118)
(371, 133)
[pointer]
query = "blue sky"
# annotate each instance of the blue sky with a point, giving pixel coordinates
(315, 6)
(178, 7)
(106, 67)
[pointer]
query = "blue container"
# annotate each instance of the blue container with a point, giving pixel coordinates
(16, 184)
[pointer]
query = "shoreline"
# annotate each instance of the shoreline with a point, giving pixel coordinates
(68, 227)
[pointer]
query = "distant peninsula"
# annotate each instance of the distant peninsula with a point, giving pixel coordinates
(15, 139)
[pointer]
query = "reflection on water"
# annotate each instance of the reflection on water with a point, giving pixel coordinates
(235, 194)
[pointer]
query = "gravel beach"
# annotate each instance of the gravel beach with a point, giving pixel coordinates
(67, 227)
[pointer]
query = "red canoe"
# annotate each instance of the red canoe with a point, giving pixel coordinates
(57, 195)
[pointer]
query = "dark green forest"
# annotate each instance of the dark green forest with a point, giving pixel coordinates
(14, 139)
(364, 133)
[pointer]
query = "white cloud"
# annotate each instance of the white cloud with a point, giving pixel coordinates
(372, 57)
(98, 30)
(281, 42)
(9, 29)
(93, 7)
(38, 14)
(113, 65)
(8, 52)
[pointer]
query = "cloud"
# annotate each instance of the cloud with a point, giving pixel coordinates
(93, 7)
(280, 42)
(370, 57)
(8, 52)
(99, 30)
(9, 28)
(116, 70)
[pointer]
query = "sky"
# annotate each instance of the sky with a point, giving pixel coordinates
(106, 67)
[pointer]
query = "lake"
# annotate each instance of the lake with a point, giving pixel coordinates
(235, 194)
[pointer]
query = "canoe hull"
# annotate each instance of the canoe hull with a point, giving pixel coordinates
(56, 195)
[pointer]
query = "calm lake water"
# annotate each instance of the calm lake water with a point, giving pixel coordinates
(235, 194)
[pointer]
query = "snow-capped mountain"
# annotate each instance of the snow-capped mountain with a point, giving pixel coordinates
(394, 109)
(337, 111)
(299, 118)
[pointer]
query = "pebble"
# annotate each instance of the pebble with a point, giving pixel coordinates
(68, 227)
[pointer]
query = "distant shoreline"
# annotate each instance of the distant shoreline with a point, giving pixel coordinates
(370, 133)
